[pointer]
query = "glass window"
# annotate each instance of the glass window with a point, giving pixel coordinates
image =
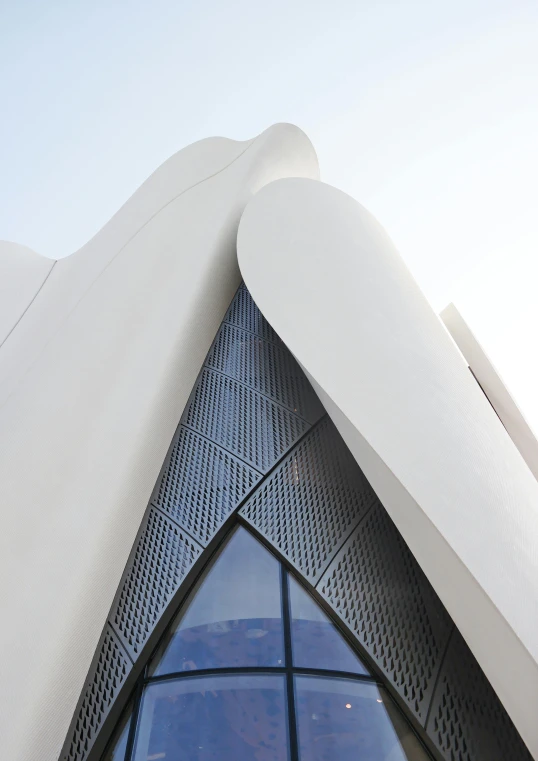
(350, 720)
(233, 618)
(118, 744)
(316, 642)
(214, 718)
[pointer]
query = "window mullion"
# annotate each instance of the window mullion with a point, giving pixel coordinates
(290, 690)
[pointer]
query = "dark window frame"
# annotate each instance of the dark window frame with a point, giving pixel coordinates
(288, 670)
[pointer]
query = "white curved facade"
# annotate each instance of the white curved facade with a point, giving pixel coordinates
(100, 352)
(403, 399)
(493, 386)
(89, 401)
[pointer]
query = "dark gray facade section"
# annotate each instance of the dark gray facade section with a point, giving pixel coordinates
(253, 445)
(321, 514)
(107, 675)
(376, 586)
(249, 359)
(164, 554)
(311, 502)
(266, 431)
(466, 719)
(242, 418)
(243, 313)
(199, 474)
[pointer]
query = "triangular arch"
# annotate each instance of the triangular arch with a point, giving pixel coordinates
(252, 669)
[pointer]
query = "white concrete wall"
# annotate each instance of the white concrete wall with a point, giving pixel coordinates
(493, 386)
(93, 381)
(329, 280)
(22, 274)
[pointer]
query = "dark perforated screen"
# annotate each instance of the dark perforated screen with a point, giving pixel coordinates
(253, 441)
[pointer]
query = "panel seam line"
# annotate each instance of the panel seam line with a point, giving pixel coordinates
(34, 297)
(345, 540)
(257, 391)
(438, 677)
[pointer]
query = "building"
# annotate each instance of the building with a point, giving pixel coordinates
(252, 494)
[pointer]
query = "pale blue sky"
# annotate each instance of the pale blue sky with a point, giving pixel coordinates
(425, 111)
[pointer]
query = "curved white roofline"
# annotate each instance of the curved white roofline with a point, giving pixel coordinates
(329, 280)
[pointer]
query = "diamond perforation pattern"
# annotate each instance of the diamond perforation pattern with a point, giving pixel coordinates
(266, 367)
(311, 502)
(377, 587)
(241, 420)
(244, 313)
(202, 484)
(467, 720)
(107, 678)
(163, 557)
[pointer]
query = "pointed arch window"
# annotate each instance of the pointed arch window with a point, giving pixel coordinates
(252, 669)
(233, 618)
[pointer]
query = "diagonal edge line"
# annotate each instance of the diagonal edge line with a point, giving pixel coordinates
(261, 393)
(178, 524)
(278, 463)
(109, 622)
(438, 675)
(34, 297)
(342, 544)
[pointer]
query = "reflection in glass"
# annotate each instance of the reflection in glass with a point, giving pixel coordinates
(118, 744)
(350, 721)
(214, 718)
(233, 617)
(316, 642)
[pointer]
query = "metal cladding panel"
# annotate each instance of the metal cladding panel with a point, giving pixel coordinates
(242, 420)
(163, 557)
(244, 313)
(108, 675)
(202, 484)
(378, 589)
(267, 367)
(467, 720)
(311, 502)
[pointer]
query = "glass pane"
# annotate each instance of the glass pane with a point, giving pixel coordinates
(118, 744)
(317, 643)
(233, 618)
(351, 721)
(214, 718)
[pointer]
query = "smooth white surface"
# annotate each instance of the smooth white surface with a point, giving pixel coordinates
(329, 280)
(94, 380)
(494, 387)
(22, 274)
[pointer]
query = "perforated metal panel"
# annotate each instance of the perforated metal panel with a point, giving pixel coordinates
(244, 313)
(266, 367)
(467, 720)
(310, 503)
(242, 421)
(109, 674)
(164, 555)
(318, 511)
(378, 589)
(202, 484)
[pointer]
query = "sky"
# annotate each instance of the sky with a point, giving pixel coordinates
(424, 111)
